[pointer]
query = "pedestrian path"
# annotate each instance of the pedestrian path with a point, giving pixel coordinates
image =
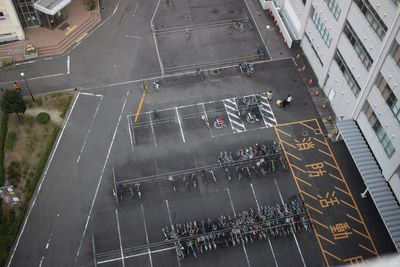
(232, 111)
(266, 111)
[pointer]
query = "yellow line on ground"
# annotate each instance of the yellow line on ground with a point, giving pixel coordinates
(293, 156)
(337, 178)
(294, 122)
(322, 142)
(304, 182)
(284, 132)
(333, 256)
(329, 155)
(81, 37)
(331, 165)
(348, 204)
(357, 220)
(315, 209)
(300, 169)
(326, 239)
(299, 189)
(352, 198)
(368, 249)
(70, 30)
(341, 190)
(320, 223)
(307, 194)
(140, 106)
(361, 234)
(292, 146)
(307, 126)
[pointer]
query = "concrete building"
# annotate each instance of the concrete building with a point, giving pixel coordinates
(353, 48)
(10, 26)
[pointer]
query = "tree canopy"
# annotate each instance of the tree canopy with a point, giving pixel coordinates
(12, 102)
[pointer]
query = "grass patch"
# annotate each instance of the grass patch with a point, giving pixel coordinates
(65, 105)
(10, 140)
(24, 164)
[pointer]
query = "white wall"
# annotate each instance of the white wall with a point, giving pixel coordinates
(10, 27)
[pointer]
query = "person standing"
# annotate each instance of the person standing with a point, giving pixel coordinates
(289, 99)
(269, 95)
(17, 87)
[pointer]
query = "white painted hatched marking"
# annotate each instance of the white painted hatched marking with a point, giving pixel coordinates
(266, 112)
(237, 124)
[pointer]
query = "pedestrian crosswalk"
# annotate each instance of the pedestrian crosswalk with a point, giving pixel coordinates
(233, 113)
(266, 111)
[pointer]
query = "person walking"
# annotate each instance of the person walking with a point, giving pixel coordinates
(289, 99)
(17, 87)
(269, 95)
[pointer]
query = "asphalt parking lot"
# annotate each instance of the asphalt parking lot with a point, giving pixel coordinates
(177, 139)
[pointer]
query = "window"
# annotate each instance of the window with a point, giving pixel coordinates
(351, 81)
(2, 15)
(313, 48)
(388, 95)
(395, 52)
(372, 17)
(358, 46)
(334, 8)
(378, 129)
(321, 27)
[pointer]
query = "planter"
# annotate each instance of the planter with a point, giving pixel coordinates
(31, 55)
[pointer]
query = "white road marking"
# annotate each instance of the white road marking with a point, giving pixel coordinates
(152, 130)
(169, 213)
(136, 255)
(155, 39)
(68, 64)
(259, 32)
(88, 132)
(136, 8)
(294, 236)
(147, 236)
(24, 63)
(101, 177)
(234, 213)
(41, 182)
(269, 241)
(91, 94)
(130, 131)
(120, 240)
(48, 58)
(180, 124)
(41, 261)
(133, 36)
(273, 252)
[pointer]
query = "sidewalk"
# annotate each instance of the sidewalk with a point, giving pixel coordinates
(58, 40)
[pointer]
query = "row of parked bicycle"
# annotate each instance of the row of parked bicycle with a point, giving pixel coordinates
(229, 230)
(250, 152)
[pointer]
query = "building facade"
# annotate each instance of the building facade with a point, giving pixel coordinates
(354, 50)
(18, 14)
(10, 26)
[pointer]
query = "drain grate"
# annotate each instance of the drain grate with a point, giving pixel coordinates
(317, 131)
(188, 17)
(304, 133)
(63, 26)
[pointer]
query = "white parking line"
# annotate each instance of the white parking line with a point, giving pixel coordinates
(147, 236)
(136, 255)
(172, 226)
(180, 124)
(120, 241)
(269, 241)
(88, 132)
(136, 8)
(68, 64)
(101, 178)
(41, 182)
(234, 213)
(294, 236)
(130, 131)
(152, 130)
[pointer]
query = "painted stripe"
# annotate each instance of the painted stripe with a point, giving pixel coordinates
(326, 239)
(368, 249)
(320, 223)
(307, 194)
(140, 106)
(314, 209)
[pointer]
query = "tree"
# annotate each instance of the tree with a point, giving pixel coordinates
(12, 102)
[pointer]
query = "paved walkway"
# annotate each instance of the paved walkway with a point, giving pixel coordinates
(56, 41)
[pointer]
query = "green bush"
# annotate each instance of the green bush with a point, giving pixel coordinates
(29, 120)
(39, 101)
(10, 140)
(43, 117)
(3, 133)
(66, 104)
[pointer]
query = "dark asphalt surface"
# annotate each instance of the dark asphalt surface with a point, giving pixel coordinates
(75, 199)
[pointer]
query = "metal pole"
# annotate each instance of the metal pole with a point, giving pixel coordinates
(115, 186)
(29, 90)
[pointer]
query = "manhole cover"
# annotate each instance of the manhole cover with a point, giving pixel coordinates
(215, 72)
(294, 80)
(188, 17)
(304, 103)
(161, 26)
(317, 131)
(281, 53)
(215, 11)
(231, 11)
(304, 133)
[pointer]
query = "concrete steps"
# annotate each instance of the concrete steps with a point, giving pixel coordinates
(72, 38)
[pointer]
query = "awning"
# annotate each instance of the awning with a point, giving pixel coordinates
(51, 7)
(376, 184)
